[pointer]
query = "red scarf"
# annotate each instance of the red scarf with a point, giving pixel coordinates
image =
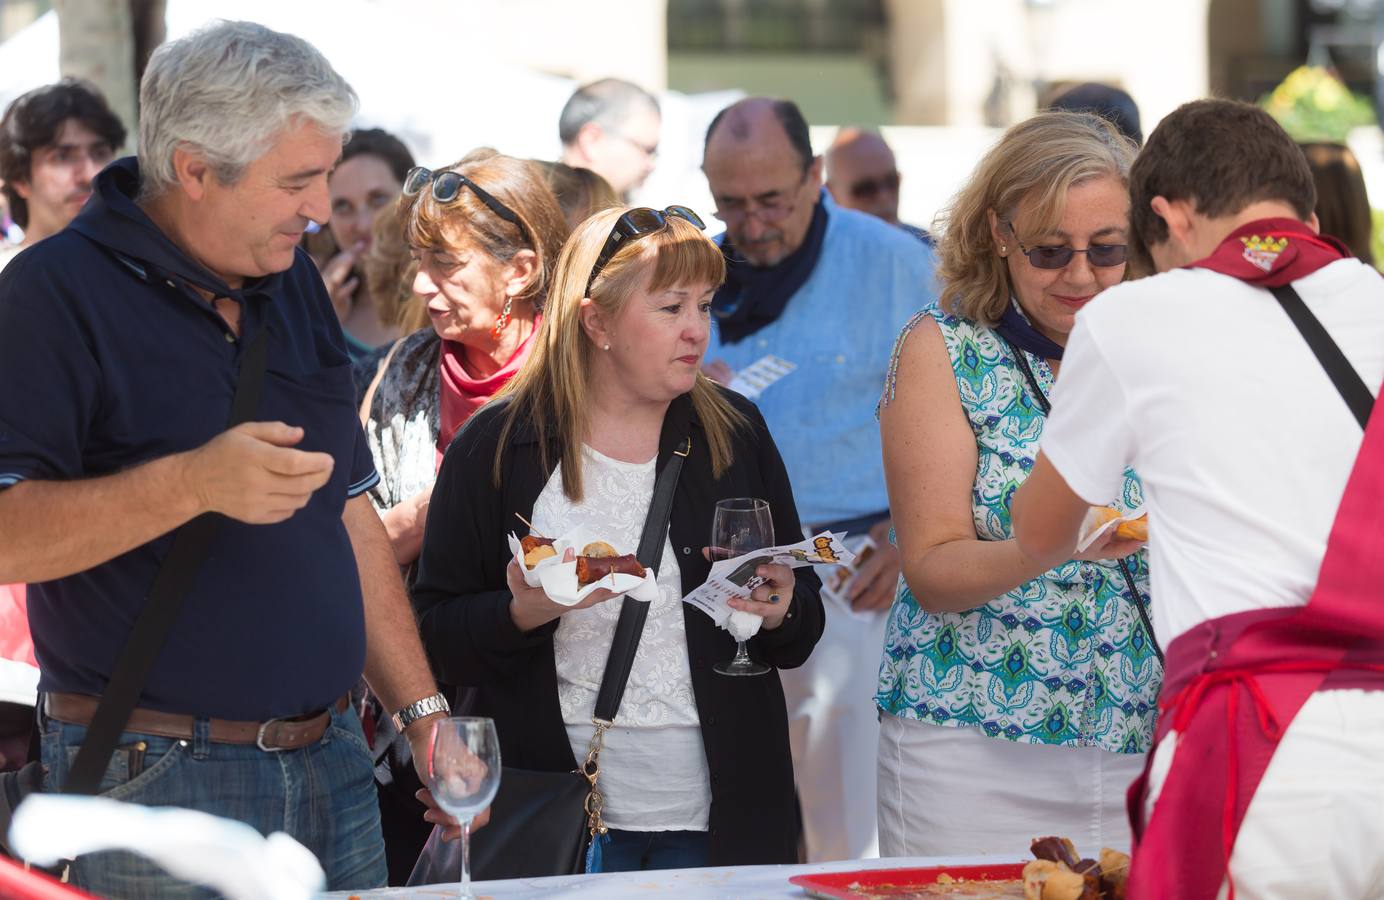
(1273, 252)
(1233, 685)
(462, 395)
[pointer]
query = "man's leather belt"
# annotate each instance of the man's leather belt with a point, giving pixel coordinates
(274, 734)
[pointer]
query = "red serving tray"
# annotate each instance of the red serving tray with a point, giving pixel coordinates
(19, 883)
(836, 885)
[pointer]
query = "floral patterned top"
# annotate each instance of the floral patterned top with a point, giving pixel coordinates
(1063, 659)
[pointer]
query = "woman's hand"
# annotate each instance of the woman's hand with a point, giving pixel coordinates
(532, 609)
(771, 599)
(341, 283)
(404, 525)
(1108, 547)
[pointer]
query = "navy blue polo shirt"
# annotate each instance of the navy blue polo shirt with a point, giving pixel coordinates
(109, 359)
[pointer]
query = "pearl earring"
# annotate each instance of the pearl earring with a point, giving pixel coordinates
(1003, 249)
(607, 346)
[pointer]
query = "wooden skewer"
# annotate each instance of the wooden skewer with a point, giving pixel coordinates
(532, 530)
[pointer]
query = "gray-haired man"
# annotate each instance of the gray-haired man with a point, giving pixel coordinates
(128, 330)
(611, 127)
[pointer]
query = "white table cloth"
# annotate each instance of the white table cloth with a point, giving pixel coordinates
(739, 882)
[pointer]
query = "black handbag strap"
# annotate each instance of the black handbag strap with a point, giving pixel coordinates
(633, 612)
(1140, 602)
(1348, 382)
(191, 544)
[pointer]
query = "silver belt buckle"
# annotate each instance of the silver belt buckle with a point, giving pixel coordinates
(259, 737)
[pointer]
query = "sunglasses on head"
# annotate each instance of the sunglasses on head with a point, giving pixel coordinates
(635, 224)
(1100, 255)
(870, 188)
(446, 186)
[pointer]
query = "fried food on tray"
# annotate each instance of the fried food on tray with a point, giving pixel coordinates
(598, 550)
(591, 569)
(1058, 873)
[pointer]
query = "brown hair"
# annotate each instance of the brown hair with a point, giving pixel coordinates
(1222, 155)
(1343, 206)
(515, 183)
(552, 390)
(1037, 160)
(580, 192)
(389, 270)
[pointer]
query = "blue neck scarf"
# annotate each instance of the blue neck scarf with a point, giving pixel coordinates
(1015, 327)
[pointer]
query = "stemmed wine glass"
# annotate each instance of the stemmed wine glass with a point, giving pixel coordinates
(465, 773)
(741, 525)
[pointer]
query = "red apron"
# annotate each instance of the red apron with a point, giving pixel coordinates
(1233, 685)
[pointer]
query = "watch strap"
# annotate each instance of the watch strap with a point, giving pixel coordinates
(418, 709)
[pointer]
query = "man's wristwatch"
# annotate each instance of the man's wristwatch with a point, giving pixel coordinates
(419, 709)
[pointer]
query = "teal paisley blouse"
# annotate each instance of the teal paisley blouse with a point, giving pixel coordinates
(1063, 659)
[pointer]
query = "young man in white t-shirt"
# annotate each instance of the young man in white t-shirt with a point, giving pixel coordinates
(1199, 379)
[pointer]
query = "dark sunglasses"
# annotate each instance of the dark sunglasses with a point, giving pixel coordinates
(447, 185)
(1100, 255)
(635, 224)
(870, 188)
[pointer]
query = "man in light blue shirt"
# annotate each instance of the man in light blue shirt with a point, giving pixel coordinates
(827, 289)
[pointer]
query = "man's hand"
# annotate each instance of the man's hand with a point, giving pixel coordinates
(878, 577)
(419, 736)
(341, 283)
(251, 473)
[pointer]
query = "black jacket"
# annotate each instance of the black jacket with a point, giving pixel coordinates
(463, 609)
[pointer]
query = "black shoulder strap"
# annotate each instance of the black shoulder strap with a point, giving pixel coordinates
(1348, 382)
(633, 612)
(174, 580)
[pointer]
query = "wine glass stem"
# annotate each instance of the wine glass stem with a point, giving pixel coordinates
(742, 655)
(466, 859)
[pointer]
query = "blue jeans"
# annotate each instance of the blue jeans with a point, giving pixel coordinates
(637, 851)
(323, 795)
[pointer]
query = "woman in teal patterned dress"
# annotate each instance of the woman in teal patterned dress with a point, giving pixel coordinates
(1014, 701)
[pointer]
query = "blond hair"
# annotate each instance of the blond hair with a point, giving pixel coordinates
(1036, 162)
(389, 270)
(552, 391)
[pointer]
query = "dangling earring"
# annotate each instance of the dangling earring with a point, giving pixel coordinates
(503, 320)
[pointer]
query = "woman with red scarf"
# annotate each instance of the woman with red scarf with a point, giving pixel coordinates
(486, 234)
(1240, 381)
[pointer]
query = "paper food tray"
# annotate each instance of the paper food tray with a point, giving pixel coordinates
(865, 883)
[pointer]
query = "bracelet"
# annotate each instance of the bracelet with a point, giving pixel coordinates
(419, 709)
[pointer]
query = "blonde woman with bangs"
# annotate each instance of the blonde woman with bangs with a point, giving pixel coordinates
(698, 770)
(1015, 699)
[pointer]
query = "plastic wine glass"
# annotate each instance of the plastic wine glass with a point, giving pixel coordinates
(741, 525)
(465, 773)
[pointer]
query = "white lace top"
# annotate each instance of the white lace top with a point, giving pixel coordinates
(653, 768)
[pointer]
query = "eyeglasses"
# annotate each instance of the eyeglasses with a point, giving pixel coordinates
(446, 186)
(633, 225)
(770, 207)
(1100, 255)
(650, 152)
(870, 188)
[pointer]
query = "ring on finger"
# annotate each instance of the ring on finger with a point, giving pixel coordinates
(774, 598)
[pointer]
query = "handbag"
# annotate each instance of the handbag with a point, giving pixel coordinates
(544, 823)
(191, 544)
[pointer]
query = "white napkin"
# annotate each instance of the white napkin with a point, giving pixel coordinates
(1090, 533)
(231, 857)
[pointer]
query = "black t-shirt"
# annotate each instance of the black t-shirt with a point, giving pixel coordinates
(110, 360)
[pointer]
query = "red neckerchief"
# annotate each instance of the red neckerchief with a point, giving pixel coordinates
(1233, 685)
(462, 395)
(1273, 252)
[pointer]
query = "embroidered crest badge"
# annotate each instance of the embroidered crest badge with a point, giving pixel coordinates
(1263, 252)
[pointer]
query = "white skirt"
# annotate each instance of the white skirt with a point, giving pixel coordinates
(954, 791)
